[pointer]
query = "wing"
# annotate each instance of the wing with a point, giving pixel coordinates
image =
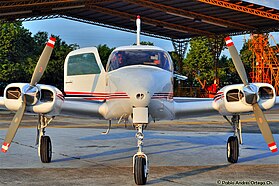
(2, 105)
(276, 106)
(191, 107)
(1, 101)
(84, 108)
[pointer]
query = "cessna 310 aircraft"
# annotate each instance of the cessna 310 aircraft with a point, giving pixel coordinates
(137, 85)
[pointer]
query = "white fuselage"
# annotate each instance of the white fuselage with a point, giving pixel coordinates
(140, 86)
(146, 83)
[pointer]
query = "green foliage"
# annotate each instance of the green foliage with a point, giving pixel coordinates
(15, 46)
(227, 72)
(175, 59)
(199, 61)
(104, 52)
(19, 54)
(145, 43)
(247, 58)
(54, 74)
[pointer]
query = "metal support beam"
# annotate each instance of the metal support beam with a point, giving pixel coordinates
(166, 25)
(217, 44)
(33, 3)
(94, 22)
(189, 14)
(240, 8)
(180, 46)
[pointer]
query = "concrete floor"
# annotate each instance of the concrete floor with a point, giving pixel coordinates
(83, 156)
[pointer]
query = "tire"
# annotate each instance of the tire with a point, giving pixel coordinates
(140, 175)
(45, 149)
(232, 149)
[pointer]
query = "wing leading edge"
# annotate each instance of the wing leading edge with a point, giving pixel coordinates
(191, 107)
(81, 108)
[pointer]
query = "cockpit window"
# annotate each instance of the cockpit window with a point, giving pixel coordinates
(155, 58)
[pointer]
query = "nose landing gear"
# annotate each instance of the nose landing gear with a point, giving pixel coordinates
(140, 161)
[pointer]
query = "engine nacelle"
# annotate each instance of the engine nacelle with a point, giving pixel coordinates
(49, 99)
(231, 100)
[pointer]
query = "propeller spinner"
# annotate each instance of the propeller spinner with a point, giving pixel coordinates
(251, 96)
(29, 93)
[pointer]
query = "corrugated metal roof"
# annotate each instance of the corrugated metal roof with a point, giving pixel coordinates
(175, 19)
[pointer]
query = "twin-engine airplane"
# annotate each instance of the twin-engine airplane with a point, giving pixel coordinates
(137, 85)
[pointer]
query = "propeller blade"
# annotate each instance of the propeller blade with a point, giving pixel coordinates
(237, 61)
(43, 61)
(14, 126)
(264, 127)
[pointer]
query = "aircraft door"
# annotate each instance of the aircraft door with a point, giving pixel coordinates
(84, 72)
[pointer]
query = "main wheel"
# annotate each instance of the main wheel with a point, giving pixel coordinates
(232, 149)
(45, 149)
(140, 170)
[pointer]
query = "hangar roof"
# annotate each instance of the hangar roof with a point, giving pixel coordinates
(175, 19)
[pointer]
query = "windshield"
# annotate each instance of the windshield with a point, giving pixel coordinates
(155, 58)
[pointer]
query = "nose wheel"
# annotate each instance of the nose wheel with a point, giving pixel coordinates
(140, 161)
(140, 169)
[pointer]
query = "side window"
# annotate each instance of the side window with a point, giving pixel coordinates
(82, 64)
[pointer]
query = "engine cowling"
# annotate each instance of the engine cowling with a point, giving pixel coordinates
(46, 99)
(231, 99)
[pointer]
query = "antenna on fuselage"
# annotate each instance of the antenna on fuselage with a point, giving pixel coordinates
(138, 30)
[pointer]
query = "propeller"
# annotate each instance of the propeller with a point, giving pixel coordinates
(29, 93)
(251, 92)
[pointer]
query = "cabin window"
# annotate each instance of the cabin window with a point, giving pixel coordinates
(156, 58)
(266, 93)
(232, 95)
(82, 64)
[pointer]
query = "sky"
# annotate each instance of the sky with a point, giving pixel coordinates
(86, 35)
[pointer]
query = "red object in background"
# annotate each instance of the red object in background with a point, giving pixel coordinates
(212, 90)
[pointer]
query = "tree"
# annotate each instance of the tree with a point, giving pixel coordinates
(227, 72)
(15, 50)
(54, 74)
(145, 43)
(247, 58)
(199, 61)
(19, 54)
(104, 52)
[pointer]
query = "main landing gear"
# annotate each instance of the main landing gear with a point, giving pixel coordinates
(234, 141)
(43, 141)
(140, 161)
